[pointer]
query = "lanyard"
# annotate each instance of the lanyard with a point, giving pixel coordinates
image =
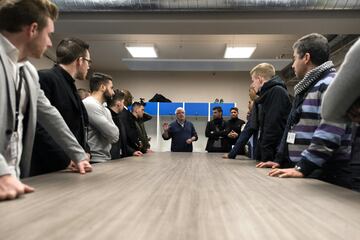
(18, 96)
(18, 92)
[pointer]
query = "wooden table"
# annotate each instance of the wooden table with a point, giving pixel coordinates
(180, 196)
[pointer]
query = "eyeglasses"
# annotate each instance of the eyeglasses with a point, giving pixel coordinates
(88, 60)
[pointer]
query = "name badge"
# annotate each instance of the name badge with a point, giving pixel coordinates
(12, 149)
(291, 137)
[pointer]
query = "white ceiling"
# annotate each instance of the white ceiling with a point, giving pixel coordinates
(185, 37)
(109, 53)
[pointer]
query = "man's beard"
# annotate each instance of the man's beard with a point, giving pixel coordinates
(80, 76)
(181, 120)
(36, 50)
(107, 96)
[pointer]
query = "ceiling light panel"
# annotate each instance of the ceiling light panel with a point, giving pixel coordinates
(239, 51)
(142, 50)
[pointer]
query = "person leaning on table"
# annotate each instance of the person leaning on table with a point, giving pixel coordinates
(312, 146)
(25, 29)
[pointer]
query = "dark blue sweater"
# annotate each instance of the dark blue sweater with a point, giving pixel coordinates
(179, 136)
(249, 130)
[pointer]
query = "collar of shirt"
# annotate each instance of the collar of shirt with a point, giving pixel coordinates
(234, 119)
(10, 49)
(101, 104)
(181, 123)
(67, 76)
(13, 53)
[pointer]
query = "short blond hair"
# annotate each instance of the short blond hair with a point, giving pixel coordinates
(265, 70)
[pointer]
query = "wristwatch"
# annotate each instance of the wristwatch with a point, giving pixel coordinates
(298, 168)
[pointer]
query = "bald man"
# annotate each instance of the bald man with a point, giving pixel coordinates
(181, 132)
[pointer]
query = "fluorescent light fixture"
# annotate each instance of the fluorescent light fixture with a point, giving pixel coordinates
(142, 50)
(239, 51)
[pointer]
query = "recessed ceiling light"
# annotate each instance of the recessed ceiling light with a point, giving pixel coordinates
(142, 50)
(239, 51)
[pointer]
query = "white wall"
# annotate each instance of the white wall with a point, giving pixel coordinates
(42, 63)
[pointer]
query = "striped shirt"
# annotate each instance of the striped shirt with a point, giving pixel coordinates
(317, 140)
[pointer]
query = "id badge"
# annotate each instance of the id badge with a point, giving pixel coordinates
(291, 137)
(12, 149)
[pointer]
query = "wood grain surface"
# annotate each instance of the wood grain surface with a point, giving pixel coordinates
(189, 196)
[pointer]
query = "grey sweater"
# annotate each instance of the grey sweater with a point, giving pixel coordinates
(344, 89)
(102, 130)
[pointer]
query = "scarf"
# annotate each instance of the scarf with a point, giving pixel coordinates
(313, 76)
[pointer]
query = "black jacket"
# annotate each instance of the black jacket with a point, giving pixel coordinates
(216, 130)
(159, 98)
(143, 137)
(274, 107)
(234, 125)
(131, 132)
(121, 144)
(59, 87)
